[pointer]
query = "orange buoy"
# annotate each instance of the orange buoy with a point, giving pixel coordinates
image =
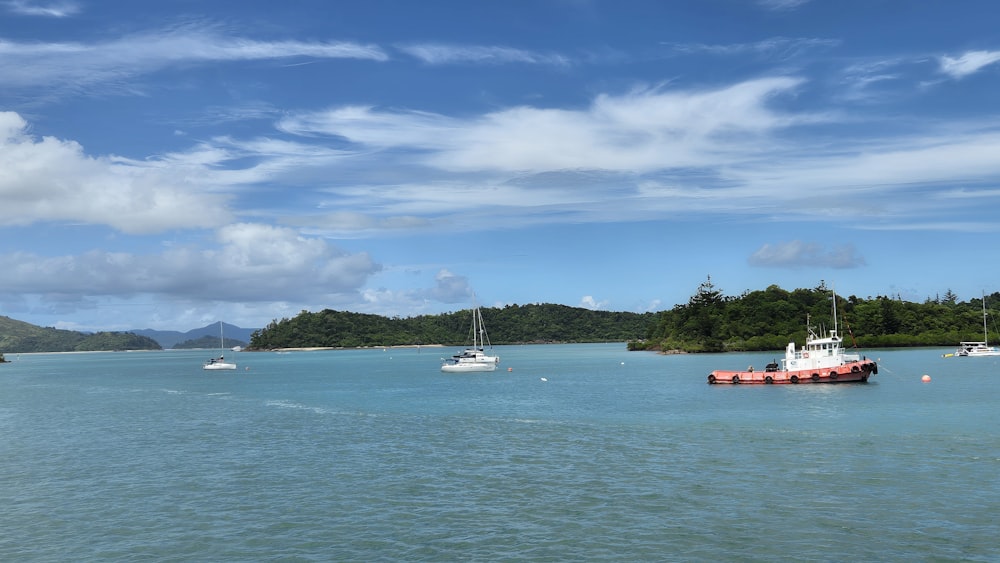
(926, 378)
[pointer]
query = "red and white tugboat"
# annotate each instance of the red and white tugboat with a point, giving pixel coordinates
(823, 360)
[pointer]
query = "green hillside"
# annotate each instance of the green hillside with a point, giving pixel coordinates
(768, 319)
(511, 324)
(710, 322)
(18, 336)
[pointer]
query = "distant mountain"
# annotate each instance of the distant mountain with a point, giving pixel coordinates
(171, 338)
(19, 336)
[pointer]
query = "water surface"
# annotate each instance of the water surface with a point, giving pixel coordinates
(364, 455)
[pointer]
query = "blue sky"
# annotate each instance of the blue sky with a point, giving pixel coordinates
(169, 164)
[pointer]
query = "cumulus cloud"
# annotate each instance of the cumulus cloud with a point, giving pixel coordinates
(588, 302)
(449, 288)
(49, 179)
(799, 254)
(253, 263)
(969, 63)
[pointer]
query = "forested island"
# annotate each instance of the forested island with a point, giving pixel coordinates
(709, 322)
(770, 318)
(512, 324)
(19, 336)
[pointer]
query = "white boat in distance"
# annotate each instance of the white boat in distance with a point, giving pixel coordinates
(976, 349)
(220, 362)
(474, 359)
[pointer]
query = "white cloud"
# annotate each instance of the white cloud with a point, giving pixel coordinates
(45, 9)
(641, 131)
(78, 66)
(774, 47)
(440, 54)
(53, 180)
(588, 302)
(798, 254)
(780, 5)
(448, 288)
(253, 263)
(969, 63)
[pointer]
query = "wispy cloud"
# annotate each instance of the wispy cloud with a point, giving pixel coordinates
(74, 66)
(779, 5)
(441, 54)
(44, 9)
(799, 254)
(639, 131)
(968, 63)
(776, 47)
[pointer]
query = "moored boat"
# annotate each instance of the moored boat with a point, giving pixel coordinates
(219, 363)
(475, 358)
(976, 349)
(822, 360)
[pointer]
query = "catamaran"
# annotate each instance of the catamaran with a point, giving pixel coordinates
(474, 358)
(974, 349)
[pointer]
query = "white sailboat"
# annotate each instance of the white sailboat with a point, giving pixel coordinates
(220, 362)
(475, 358)
(976, 349)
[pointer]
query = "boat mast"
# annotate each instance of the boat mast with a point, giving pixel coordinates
(477, 324)
(834, 292)
(986, 336)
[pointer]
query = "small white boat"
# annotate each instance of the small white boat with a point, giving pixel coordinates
(474, 359)
(976, 349)
(220, 362)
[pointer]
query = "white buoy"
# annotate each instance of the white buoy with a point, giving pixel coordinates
(543, 379)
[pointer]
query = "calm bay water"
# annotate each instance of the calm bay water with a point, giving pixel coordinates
(369, 455)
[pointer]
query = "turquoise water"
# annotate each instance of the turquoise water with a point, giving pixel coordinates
(368, 455)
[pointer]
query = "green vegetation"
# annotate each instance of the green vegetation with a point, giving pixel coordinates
(769, 319)
(18, 336)
(708, 322)
(508, 325)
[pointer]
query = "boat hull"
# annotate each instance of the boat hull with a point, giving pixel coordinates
(468, 367)
(219, 366)
(852, 372)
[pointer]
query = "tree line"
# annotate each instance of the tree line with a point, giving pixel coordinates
(512, 324)
(709, 322)
(768, 319)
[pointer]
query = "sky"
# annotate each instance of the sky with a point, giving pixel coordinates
(171, 164)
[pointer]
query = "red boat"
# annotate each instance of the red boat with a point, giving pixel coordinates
(823, 360)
